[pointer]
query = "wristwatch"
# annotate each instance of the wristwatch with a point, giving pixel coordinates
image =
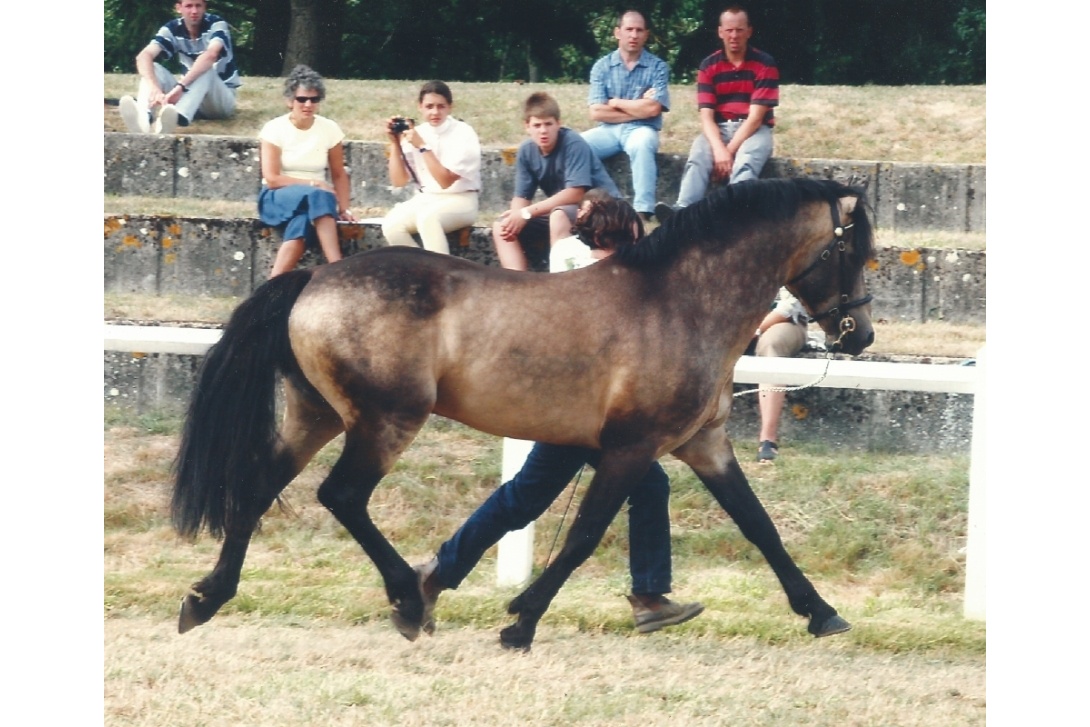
(526, 214)
(422, 149)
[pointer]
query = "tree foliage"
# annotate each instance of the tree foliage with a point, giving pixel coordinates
(815, 42)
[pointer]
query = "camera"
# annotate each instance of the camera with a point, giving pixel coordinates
(400, 124)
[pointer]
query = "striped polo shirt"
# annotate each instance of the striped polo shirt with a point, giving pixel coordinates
(730, 89)
(174, 39)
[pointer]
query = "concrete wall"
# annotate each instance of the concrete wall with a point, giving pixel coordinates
(898, 421)
(231, 257)
(905, 197)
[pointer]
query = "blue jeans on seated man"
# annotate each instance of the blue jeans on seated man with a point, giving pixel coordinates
(548, 470)
(748, 162)
(641, 143)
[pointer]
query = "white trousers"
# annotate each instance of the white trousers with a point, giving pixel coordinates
(432, 216)
(208, 94)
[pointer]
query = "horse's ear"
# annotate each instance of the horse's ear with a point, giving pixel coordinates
(847, 204)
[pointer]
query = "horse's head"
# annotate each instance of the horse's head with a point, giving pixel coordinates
(830, 280)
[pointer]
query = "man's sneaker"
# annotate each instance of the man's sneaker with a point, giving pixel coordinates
(135, 120)
(663, 212)
(767, 451)
(656, 612)
(167, 121)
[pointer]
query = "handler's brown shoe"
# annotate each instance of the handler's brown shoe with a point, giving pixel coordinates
(655, 612)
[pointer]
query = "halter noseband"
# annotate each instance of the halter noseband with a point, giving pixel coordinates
(846, 323)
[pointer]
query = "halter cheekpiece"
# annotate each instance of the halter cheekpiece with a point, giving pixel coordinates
(846, 322)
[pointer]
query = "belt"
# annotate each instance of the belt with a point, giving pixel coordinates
(736, 118)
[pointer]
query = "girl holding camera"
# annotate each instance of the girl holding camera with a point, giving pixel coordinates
(442, 157)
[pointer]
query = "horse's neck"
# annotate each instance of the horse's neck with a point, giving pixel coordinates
(740, 278)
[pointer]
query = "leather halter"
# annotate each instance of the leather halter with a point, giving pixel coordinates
(846, 323)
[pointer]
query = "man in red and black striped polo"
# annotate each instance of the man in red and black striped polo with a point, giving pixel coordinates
(736, 89)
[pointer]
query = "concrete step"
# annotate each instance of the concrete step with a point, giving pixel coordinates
(905, 197)
(153, 255)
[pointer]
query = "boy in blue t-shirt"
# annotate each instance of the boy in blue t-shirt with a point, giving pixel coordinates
(556, 160)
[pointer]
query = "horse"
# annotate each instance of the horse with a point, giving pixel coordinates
(633, 356)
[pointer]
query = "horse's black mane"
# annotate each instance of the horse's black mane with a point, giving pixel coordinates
(713, 222)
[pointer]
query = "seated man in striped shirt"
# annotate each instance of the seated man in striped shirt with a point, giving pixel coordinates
(201, 42)
(737, 88)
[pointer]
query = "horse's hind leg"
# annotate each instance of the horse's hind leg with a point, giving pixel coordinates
(309, 423)
(370, 450)
(712, 458)
(613, 479)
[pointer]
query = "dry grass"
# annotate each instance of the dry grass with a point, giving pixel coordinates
(307, 639)
(929, 124)
(306, 673)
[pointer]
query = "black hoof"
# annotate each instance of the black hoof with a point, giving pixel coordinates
(832, 625)
(406, 627)
(192, 613)
(515, 639)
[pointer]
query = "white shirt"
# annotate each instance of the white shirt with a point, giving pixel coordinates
(455, 144)
(789, 306)
(568, 254)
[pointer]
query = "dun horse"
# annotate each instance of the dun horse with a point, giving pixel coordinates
(633, 356)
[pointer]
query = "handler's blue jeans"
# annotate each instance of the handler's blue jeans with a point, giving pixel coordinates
(640, 142)
(748, 162)
(548, 470)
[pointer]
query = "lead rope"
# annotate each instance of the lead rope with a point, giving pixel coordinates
(564, 516)
(846, 326)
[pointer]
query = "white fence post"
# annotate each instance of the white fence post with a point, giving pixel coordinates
(976, 544)
(516, 549)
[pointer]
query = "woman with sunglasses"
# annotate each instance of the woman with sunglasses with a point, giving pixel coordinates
(298, 151)
(441, 158)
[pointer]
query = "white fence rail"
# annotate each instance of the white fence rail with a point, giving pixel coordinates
(515, 549)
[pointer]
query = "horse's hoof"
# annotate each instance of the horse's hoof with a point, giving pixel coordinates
(514, 639)
(405, 627)
(188, 617)
(832, 625)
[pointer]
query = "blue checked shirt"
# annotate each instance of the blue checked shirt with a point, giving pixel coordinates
(610, 79)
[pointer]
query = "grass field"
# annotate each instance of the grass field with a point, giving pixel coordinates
(307, 639)
(927, 124)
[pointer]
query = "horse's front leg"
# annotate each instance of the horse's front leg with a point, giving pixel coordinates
(616, 474)
(711, 456)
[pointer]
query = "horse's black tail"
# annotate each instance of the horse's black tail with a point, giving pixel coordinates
(226, 451)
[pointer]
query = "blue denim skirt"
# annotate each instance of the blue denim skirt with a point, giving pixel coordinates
(293, 210)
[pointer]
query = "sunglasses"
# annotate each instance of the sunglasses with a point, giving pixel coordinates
(312, 99)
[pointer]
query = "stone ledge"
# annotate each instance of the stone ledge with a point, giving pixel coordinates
(154, 255)
(905, 197)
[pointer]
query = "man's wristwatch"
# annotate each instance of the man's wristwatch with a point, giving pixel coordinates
(526, 214)
(422, 149)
